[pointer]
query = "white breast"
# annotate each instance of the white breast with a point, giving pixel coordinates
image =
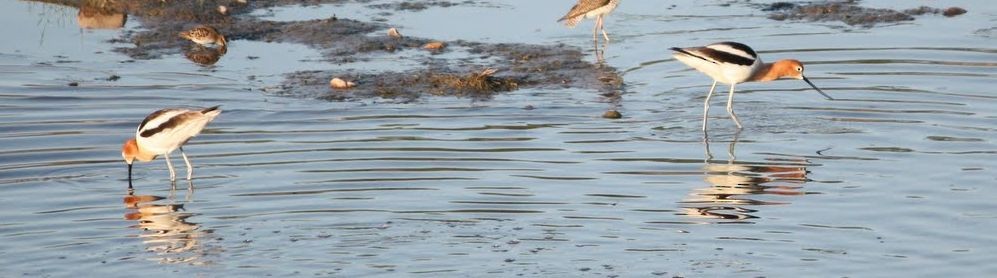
(603, 10)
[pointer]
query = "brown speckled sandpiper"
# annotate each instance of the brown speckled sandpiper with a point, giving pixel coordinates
(204, 35)
(597, 9)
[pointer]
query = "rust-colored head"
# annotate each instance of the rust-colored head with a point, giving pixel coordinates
(790, 68)
(129, 151)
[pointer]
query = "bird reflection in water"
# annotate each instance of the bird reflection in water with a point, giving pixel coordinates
(165, 229)
(204, 36)
(204, 56)
(736, 186)
(99, 16)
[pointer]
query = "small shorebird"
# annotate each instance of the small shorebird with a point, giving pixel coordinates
(732, 63)
(597, 9)
(164, 131)
(204, 35)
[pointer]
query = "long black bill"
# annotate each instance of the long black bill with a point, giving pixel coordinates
(818, 89)
(129, 176)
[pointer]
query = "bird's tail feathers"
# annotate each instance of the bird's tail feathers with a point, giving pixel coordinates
(570, 22)
(690, 54)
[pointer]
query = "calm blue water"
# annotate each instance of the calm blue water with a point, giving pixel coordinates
(897, 178)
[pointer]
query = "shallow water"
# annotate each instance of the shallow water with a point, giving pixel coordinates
(894, 179)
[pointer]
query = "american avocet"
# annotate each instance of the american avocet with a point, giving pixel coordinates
(164, 131)
(597, 9)
(204, 35)
(732, 63)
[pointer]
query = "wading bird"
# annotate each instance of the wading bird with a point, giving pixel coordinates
(204, 35)
(164, 131)
(732, 63)
(597, 9)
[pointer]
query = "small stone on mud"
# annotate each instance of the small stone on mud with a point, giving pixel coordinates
(338, 83)
(612, 114)
(953, 11)
(393, 32)
(436, 45)
(73, 84)
(222, 9)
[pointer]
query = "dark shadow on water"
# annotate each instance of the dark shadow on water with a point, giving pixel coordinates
(735, 189)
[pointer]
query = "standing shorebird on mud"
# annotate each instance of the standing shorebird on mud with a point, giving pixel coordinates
(732, 63)
(597, 9)
(164, 131)
(205, 35)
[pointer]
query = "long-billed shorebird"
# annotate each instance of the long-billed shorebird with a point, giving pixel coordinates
(597, 9)
(732, 63)
(164, 131)
(205, 35)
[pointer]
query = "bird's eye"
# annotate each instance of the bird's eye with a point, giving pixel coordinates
(799, 69)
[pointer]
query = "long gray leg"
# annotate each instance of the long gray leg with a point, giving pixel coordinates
(173, 174)
(706, 104)
(595, 45)
(602, 26)
(595, 30)
(190, 170)
(730, 106)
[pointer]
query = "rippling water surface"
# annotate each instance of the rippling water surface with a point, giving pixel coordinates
(894, 179)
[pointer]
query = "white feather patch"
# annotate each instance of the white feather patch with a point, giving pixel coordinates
(730, 50)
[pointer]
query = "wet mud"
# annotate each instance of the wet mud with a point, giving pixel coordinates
(416, 5)
(851, 13)
(515, 66)
(343, 41)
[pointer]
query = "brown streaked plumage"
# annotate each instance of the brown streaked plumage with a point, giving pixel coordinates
(205, 35)
(164, 131)
(597, 9)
